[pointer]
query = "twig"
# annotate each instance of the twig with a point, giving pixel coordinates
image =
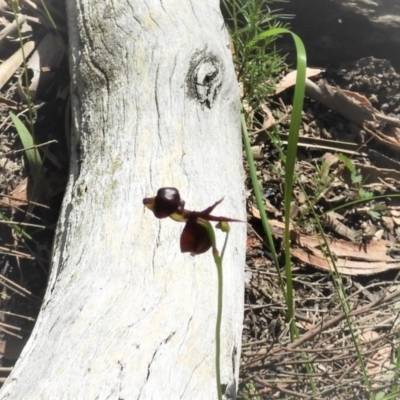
(279, 353)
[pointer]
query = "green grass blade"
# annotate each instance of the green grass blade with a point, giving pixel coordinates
(360, 201)
(259, 201)
(291, 154)
(15, 227)
(32, 154)
(48, 15)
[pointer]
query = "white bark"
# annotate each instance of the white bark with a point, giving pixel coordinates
(126, 315)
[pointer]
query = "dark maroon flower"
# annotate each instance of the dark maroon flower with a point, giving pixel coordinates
(167, 202)
(195, 237)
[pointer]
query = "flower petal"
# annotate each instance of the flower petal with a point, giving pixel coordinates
(194, 238)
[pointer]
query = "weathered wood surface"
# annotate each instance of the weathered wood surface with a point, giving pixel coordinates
(126, 315)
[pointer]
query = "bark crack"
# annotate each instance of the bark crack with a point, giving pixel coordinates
(166, 340)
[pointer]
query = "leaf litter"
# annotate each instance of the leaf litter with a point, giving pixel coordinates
(348, 168)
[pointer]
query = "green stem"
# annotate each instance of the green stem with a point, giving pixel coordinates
(224, 226)
(218, 262)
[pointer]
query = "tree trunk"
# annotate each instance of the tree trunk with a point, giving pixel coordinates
(126, 315)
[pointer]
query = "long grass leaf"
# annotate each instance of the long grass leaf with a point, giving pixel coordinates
(32, 154)
(291, 153)
(259, 201)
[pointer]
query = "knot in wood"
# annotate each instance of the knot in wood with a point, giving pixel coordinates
(204, 78)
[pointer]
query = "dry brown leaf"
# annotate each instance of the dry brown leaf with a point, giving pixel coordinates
(19, 196)
(344, 266)
(8, 68)
(350, 258)
(381, 137)
(396, 220)
(388, 223)
(354, 106)
(268, 207)
(330, 159)
(290, 79)
(331, 219)
(269, 119)
(374, 251)
(358, 98)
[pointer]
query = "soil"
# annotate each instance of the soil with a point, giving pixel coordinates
(333, 35)
(272, 364)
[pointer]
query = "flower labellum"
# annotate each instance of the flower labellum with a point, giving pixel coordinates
(194, 238)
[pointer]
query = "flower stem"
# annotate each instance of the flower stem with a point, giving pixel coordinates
(218, 262)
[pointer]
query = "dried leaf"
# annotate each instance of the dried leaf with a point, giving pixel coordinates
(351, 258)
(331, 219)
(269, 119)
(8, 68)
(290, 79)
(19, 196)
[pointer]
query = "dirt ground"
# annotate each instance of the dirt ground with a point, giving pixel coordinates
(343, 160)
(363, 236)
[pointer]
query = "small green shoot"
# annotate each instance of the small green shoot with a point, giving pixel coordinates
(355, 176)
(362, 194)
(249, 392)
